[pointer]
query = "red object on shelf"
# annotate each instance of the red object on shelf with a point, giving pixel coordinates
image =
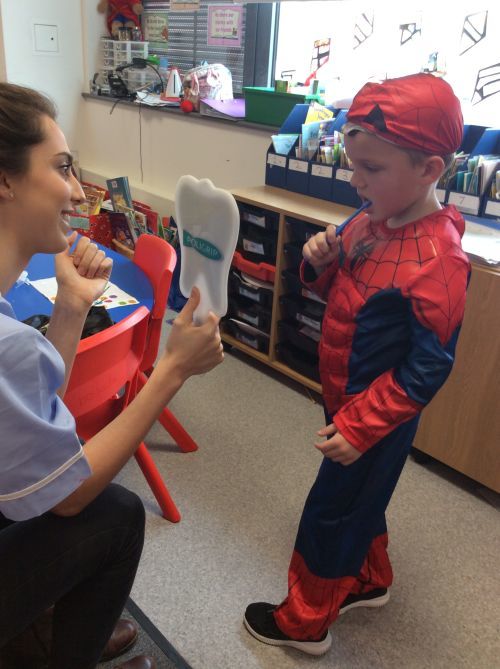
(261, 270)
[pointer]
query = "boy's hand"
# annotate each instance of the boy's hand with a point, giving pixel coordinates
(322, 249)
(83, 274)
(337, 449)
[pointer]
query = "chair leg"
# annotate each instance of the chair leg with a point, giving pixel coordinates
(170, 423)
(183, 440)
(153, 477)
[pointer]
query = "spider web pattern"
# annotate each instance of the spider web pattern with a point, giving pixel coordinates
(424, 262)
(313, 602)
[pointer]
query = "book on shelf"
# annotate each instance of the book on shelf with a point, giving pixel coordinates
(119, 193)
(122, 229)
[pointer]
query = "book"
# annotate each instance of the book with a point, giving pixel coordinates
(119, 193)
(122, 229)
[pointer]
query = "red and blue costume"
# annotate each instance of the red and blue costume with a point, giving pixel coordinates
(395, 303)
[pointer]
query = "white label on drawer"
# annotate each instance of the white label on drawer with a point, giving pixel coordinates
(251, 319)
(324, 171)
(308, 321)
(297, 165)
(253, 218)
(492, 208)
(344, 175)
(274, 159)
(249, 294)
(249, 341)
(253, 247)
(468, 204)
(441, 194)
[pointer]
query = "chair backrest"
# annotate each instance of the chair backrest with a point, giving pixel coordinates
(106, 363)
(157, 258)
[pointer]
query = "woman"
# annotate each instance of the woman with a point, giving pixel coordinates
(68, 536)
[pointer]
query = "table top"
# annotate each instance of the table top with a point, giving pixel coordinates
(27, 301)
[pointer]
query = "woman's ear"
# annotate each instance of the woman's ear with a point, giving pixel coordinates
(433, 168)
(6, 190)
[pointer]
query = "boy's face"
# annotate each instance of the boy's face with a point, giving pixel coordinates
(384, 174)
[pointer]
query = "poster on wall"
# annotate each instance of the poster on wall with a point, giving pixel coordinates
(224, 25)
(155, 28)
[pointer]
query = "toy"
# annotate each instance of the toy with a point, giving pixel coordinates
(121, 14)
(208, 222)
(187, 106)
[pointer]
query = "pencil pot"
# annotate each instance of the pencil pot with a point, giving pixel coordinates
(343, 192)
(276, 170)
(321, 181)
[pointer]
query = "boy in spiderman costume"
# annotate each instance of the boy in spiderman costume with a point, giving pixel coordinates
(395, 281)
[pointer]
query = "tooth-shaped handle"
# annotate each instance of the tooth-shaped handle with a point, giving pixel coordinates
(208, 222)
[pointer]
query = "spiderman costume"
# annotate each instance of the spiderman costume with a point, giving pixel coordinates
(395, 302)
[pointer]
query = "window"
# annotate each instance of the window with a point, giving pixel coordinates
(250, 63)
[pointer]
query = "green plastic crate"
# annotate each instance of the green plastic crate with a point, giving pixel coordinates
(264, 105)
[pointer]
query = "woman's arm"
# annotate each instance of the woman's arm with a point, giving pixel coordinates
(190, 350)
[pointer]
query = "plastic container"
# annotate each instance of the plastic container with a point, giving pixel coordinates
(208, 222)
(264, 105)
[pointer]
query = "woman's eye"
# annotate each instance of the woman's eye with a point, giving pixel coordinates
(66, 169)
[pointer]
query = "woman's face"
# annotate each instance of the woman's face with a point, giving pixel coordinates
(46, 195)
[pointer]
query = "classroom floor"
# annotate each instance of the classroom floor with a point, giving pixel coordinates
(240, 496)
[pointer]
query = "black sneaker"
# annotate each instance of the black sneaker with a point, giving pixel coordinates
(259, 621)
(371, 599)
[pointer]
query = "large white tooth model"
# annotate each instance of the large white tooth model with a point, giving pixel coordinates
(208, 222)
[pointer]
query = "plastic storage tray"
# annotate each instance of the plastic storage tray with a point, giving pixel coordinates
(289, 331)
(253, 314)
(303, 310)
(258, 342)
(258, 294)
(301, 362)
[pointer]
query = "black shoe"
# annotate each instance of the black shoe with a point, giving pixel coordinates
(371, 599)
(259, 621)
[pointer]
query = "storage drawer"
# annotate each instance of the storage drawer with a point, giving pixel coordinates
(293, 254)
(257, 245)
(244, 287)
(248, 335)
(261, 218)
(303, 311)
(295, 285)
(246, 310)
(301, 362)
(301, 336)
(259, 270)
(300, 231)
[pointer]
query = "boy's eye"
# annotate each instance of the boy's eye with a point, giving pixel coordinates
(372, 168)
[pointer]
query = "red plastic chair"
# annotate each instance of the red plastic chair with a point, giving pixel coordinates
(104, 380)
(157, 259)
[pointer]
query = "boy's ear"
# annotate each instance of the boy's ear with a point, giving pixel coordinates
(432, 168)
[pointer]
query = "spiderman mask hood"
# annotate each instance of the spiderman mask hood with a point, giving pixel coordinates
(419, 112)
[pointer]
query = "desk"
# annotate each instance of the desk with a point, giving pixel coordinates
(27, 301)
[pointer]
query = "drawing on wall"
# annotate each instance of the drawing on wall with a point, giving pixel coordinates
(320, 54)
(487, 83)
(473, 30)
(409, 31)
(363, 28)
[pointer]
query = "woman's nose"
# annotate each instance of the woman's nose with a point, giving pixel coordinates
(77, 194)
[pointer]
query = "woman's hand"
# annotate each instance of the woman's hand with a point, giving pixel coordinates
(194, 349)
(336, 448)
(82, 275)
(322, 249)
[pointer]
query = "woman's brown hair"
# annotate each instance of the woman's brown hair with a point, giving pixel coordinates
(21, 125)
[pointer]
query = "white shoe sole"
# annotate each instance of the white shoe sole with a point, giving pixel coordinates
(367, 603)
(309, 647)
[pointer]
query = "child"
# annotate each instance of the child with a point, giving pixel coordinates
(395, 283)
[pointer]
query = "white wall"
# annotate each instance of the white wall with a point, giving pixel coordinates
(59, 75)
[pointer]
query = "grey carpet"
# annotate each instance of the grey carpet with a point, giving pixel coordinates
(240, 496)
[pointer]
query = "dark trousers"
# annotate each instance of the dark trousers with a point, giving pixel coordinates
(84, 565)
